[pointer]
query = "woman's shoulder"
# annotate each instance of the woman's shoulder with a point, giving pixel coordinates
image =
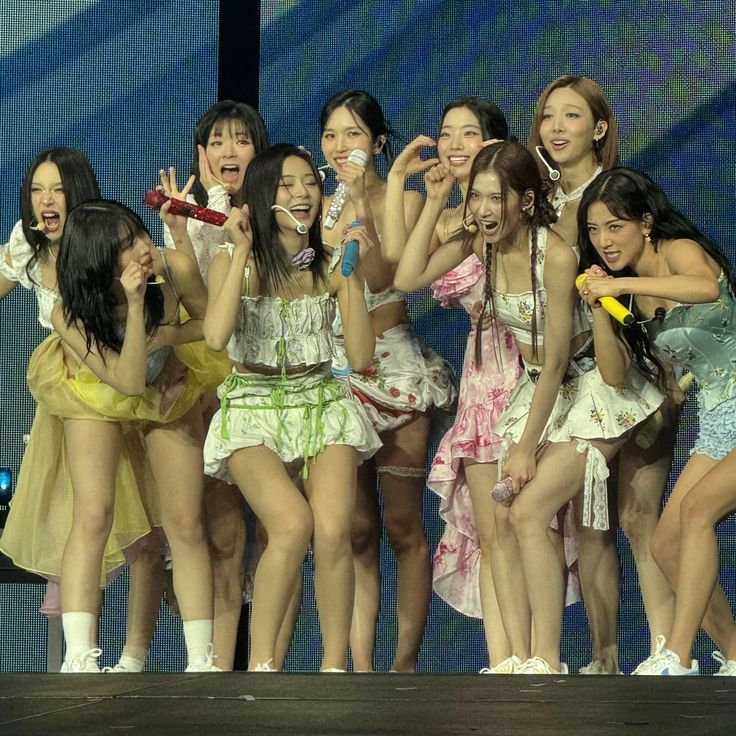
(558, 252)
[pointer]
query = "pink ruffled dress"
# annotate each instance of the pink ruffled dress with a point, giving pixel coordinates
(484, 393)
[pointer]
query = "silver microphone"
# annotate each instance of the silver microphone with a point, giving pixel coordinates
(340, 197)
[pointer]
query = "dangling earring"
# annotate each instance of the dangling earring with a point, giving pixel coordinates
(469, 224)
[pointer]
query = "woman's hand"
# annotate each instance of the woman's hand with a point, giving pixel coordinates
(521, 467)
(133, 280)
(206, 175)
(596, 285)
(353, 175)
(410, 160)
(359, 233)
(438, 182)
(237, 228)
(175, 223)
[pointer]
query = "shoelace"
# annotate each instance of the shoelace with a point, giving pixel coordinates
(728, 666)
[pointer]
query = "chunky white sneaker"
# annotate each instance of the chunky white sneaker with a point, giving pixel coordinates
(539, 666)
(506, 667)
(86, 662)
(728, 666)
(596, 667)
(203, 664)
(264, 667)
(665, 662)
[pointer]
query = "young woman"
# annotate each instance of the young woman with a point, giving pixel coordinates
(574, 136)
(562, 423)
(683, 290)
(289, 433)
(405, 381)
(226, 138)
(117, 330)
(464, 467)
(37, 532)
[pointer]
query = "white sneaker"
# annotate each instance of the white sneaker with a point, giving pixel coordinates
(86, 662)
(264, 667)
(596, 667)
(539, 666)
(506, 667)
(204, 664)
(665, 662)
(728, 666)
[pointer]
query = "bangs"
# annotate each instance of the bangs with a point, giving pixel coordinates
(235, 126)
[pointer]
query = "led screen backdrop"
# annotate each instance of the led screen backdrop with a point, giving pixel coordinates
(125, 82)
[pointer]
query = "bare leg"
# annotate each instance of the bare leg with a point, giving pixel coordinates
(402, 460)
(226, 533)
(287, 520)
(330, 491)
(286, 632)
(643, 478)
(560, 473)
(702, 504)
(600, 582)
(365, 538)
(718, 619)
(145, 590)
(93, 449)
(480, 478)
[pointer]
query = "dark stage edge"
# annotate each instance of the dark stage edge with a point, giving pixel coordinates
(263, 703)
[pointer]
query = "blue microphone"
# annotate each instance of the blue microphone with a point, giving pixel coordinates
(350, 252)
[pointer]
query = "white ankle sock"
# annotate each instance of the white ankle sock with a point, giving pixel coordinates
(198, 638)
(80, 632)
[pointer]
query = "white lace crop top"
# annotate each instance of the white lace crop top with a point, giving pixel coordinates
(515, 310)
(14, 257)
(276, 333)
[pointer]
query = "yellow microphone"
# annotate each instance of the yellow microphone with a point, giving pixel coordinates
(612, 305)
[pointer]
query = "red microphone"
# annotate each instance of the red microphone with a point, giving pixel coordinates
(155, 198)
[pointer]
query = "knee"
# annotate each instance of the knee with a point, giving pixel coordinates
(292, 535)
(365, 533)
(405, 534)
(185, 526)
(227, 540)
(638, 525)
(94, 521)
(331, 540)
(695, 515)
(664, 545)
(522, 519)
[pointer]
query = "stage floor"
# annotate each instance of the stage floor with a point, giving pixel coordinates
(300, 704)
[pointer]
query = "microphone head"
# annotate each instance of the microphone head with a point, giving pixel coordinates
(554, 174)
(660, 313)
(358, 157)
(302, 229)
(580, 280)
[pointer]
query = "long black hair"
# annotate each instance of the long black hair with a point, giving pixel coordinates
(222, 114)
(364, 106)
(80, 185)
(631, 195)
(95, 234)
(517, 171)
(261, 184)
